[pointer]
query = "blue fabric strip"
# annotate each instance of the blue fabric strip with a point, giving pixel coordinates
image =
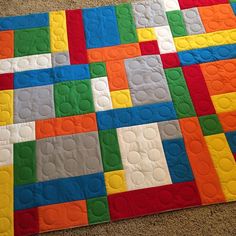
(59, 191)
(24, 22)
(209, 54)
(50, 76)
(145, 114)
(177, 160)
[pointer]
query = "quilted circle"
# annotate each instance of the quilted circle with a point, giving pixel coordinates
(129, 136)
(50, 216)
(133, 157)
(196, 146)
(137, 177)
(159, 174)
(100, 85)
(69, 144)
(92, 163)
(226, 164)
(25, 151)
(98, 208)
(25, 113)
(154, 154)
(209, 189)
(140, 8)
(113, 161)
(25, 131)
(5, 200)
(165, 197)
(49, 169)
(149, 133)
(47, 148)
(115, 181)
(61, 59)
(65, 107)
(218, 144)
(5, 135)
(70, 165)
(85, 105)
(5, 224)
(231, 187)
(73, 211)
(26, 196)
(5, 154)
(25, 173)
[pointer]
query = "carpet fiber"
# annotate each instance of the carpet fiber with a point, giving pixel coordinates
(211, 220)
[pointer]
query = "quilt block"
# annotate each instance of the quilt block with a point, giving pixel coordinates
(116, 112)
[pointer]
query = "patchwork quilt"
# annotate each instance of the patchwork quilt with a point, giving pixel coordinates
(116, 112)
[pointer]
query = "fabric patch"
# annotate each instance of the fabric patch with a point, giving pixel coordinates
(101, 94)
(30, 42)
(110, 150)
(6, 155)
(98, 210)
(73, 97)
(24, 163)
(169, 130)
(193, 21)
(147, 80)
(144, 163)
(100, 22)
(58, 31)
(65, 156)
(33, 104)
(114, 112)
(60, 59)
(149, 14)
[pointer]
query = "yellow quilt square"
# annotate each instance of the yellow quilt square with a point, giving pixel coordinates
(6, 107)
(121, 99)
(115, 182)
(146, 34)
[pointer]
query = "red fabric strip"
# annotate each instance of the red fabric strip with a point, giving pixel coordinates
(153, 200)
(76, 38)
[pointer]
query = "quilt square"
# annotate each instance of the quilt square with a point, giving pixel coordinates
(115, 112)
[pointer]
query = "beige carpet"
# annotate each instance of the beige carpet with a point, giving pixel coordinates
(211, 220)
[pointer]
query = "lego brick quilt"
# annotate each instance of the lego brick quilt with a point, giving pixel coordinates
(116, 112)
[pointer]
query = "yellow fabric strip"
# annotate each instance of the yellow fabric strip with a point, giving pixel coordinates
(58, 31)
(224, 163)
(6, 200)
(6, 107)
(205, 40)
(224, 102)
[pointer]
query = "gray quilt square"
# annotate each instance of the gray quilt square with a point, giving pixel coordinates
(147, 81)
(65, 156)
(33, 103)
(149, 14)
(193, 21)
(169, 129)
(60, 59)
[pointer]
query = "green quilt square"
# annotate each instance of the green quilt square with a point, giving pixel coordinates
(98, 210)
(176, 23)
(179, 92)
(210, 125)
(73, 98)
(126, 24)
(25, 163)
(31, 41)
(110, 150)
(97, 69)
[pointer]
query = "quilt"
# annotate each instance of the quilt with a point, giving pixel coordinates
(116, 112)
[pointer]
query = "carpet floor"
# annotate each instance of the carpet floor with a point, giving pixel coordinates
(215, 220)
